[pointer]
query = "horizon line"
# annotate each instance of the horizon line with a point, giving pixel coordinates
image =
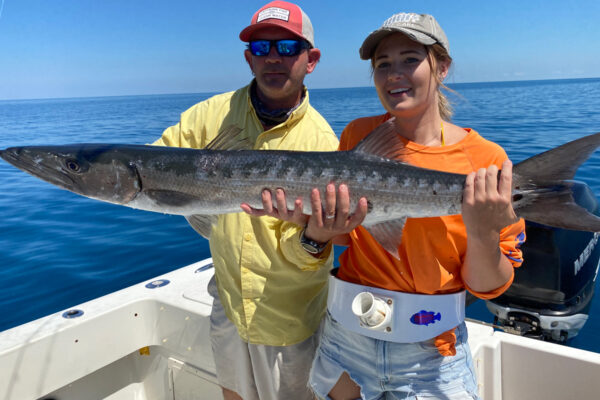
(311, 89)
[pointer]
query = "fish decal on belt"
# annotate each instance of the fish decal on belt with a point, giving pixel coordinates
(425, 317)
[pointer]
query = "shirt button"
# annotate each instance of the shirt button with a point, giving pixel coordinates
(248, 237)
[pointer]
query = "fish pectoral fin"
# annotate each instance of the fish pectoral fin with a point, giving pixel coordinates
(202, 223)
(385, 142)
(388, 234)
(229, 139)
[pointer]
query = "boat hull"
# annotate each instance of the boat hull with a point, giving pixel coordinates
(151, 341)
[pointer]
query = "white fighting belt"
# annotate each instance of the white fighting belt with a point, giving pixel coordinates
(393, 316)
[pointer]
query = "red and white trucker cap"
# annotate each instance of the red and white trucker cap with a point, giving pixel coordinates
(283, 15)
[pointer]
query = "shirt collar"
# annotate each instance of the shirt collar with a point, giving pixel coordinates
(276, 117)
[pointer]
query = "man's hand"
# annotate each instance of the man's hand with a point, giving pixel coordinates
(330, 217)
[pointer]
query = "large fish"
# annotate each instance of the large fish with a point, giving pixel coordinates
(203, 183)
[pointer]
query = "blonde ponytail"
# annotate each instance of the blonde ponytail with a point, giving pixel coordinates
(435, 55)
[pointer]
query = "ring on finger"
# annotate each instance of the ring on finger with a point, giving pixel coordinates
(330, 216)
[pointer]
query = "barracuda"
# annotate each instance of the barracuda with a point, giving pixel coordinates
(203, 183)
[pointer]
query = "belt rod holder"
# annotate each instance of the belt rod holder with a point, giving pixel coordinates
(374, 312)
(391, 315)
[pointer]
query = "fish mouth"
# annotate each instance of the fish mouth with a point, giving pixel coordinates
(42, 166)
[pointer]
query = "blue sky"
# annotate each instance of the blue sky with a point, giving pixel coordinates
(73, 48)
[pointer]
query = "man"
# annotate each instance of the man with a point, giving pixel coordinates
(269, 292)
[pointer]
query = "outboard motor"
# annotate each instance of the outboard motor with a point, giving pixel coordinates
(552, 292)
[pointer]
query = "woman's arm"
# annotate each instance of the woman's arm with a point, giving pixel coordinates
(486, 210)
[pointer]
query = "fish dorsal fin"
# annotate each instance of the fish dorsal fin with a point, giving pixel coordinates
(388, 234)
(229, 139)
(383, 141)
(202, 223)
(559, 163)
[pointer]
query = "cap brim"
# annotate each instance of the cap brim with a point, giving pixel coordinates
(371, 42)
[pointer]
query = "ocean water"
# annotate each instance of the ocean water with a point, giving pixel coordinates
(58, 249)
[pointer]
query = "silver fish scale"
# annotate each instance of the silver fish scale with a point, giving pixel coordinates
(219, 181)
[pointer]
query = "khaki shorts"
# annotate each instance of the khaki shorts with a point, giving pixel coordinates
(257, 371)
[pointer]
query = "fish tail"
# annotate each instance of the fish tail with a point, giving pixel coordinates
(544, 190)
(437, 316)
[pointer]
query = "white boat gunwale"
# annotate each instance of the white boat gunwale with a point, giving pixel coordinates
(153, 343)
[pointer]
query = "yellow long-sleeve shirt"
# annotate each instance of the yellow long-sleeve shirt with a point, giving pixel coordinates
(271, 289)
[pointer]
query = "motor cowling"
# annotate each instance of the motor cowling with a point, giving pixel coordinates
(552, 291)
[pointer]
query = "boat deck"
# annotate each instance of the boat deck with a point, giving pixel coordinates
(151, 341)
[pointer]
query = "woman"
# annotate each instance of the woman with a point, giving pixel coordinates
(477, 250)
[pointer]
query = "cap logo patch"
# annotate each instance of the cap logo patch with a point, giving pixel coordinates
(403, 18)
(274, 13)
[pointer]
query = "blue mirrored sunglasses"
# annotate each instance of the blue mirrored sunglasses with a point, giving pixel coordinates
(285, 47)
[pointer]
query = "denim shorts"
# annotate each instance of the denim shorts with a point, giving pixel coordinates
(388, 370)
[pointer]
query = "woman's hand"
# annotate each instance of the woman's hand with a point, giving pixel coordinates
(487, 202)
(486, 209)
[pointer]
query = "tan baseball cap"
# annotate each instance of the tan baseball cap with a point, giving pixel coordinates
(421, 28)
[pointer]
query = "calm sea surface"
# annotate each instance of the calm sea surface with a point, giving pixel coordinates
(58, 249)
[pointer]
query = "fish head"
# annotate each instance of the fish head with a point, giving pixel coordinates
(92, 170)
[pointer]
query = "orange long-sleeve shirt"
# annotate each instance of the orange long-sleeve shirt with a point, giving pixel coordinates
(433, 249)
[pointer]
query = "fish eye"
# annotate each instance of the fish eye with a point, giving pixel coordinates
(72, 165)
